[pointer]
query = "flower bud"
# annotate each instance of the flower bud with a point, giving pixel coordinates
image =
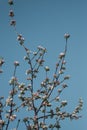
(10, 2)
(66, 35)
(67, 77)
(11, 13)
(13, 23)
(47, 68)
(16, 63)
(61, 55)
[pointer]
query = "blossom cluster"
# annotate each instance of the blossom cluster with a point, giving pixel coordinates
(40, 102)
(29, 95)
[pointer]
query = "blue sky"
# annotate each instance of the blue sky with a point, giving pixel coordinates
(44, 22)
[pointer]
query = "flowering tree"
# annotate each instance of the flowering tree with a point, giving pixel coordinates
(50, 106)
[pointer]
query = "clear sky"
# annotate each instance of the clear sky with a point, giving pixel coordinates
(44, 22)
